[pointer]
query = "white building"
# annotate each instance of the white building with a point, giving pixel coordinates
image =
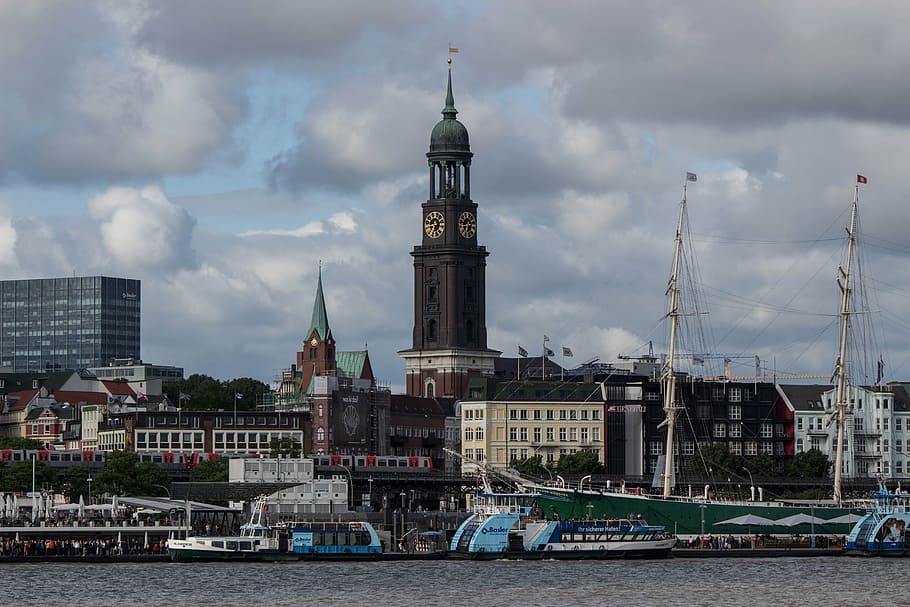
(310, 496)
(876, 434)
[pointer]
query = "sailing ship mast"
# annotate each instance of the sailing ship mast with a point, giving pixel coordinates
(671, 407)
(840, 366)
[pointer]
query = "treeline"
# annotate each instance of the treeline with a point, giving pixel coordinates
(205, 393)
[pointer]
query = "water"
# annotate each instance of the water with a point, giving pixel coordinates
(729, 581)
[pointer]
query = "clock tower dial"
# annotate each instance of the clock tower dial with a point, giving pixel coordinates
(434, 224)
(467, 224)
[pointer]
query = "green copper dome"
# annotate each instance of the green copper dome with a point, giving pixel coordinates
(449, 135)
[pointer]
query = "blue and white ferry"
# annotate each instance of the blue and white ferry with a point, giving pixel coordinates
(885, 529)
(512, 526)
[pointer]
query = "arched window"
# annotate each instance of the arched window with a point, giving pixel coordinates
(431, 330)
(430, 389)
(320, 435)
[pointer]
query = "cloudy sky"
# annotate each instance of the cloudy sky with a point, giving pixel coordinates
(217, 150)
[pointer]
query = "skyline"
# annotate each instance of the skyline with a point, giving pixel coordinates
(217, 153)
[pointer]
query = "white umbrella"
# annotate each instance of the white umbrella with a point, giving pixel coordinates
(34, 507)
(15, 506)
(799, 519)
(747, 520)
(146, 543)
(81, 506)
(5, 509)
(115, 506)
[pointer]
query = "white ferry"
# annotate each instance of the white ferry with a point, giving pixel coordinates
(513, 526)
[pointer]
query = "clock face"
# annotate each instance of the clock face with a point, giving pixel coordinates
(434, 224)
(314, 342)
(467, 225)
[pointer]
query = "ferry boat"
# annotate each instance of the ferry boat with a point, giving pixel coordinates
(256, 542)
(330, 540)
(513, 526)
(884, 530)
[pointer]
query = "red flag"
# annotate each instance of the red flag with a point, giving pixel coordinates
(861, 179)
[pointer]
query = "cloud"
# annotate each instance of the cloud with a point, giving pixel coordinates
(141, 230)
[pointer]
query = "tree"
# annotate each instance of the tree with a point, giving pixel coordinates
(809, 464)
(207, 393)
(19, 442)
(713, 459)
(530, 466)
(579, 464)
(17, 476)
(74, 482)
(284, 447)
(763, 466)
(212, 471)
(123, 475)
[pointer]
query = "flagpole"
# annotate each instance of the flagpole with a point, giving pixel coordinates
(235, 414)
(519, 367)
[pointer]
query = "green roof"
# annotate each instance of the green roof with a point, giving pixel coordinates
(320, 320)
(350, 364)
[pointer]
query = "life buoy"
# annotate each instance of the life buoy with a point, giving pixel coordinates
(549, 547)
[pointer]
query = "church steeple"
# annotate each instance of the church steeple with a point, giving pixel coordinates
(320, 320)
(450, 334)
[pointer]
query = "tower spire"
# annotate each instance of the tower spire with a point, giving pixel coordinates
(449, 110)
(320, 320)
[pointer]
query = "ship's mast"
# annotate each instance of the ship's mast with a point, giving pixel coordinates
(840, 367)
(669, 379)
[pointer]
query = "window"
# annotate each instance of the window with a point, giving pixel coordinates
(799, 445)
(524, 434)
(562, 414)
(513, 434)
(897, 425)
(537, 415)
(885, 423)
(584, 414)
(720, 430)
(562, 434)
(573, 434)
(468, 434)
(751, 448)
(595, 434)
(736, 448)
(767, 430)
(479, 455)
(885, 445)
(799, 423)
(898, 467)
(584, 435)
(655, 448)
(767, 447)
(717, 394)
(550, 435)
(478, 433)
(536, 435)
(858, 424)
(595, 414)
(688, 448)
(736, 395)
(320, 434)
(735, 412)
(513, 414)
(550, 415)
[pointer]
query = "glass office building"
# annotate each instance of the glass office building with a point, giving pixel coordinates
(68, 323)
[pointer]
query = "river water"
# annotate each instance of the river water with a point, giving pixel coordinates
(725, 581)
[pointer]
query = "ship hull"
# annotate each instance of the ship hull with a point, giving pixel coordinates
(695, 517)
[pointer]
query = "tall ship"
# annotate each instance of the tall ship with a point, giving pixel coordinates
(704, 513)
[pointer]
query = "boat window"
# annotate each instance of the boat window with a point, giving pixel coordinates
(218, 544)
(246, 545)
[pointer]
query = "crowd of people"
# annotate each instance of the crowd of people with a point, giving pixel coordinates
(78, 547)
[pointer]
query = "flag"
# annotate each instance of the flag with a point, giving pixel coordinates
(110, 399)
(183, 396)
(546, 338)
(567, 351)
(453, 49)
(861, 179)
(549, 352)
(691, 177)
(237, 395)
(522, 351)
(141, 396)
(880, 374)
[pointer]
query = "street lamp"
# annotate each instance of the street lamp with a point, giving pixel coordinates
(751, 483)
(89, 480)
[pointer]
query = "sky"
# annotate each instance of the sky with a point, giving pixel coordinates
(218, 150)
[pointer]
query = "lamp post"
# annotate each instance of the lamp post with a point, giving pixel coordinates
(89, 481)
(350, 487)
(751, 483)
(370, 480)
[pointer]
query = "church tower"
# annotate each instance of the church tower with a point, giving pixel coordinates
(450, 332)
